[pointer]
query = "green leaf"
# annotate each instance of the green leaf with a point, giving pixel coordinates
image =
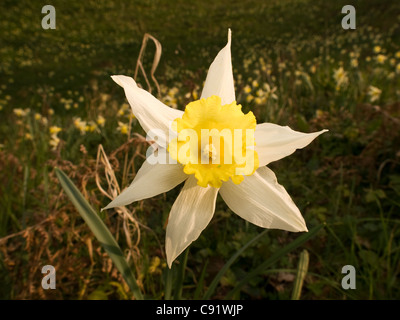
(301, 274)
(275, 257)
(168, 282)
(200, 283)
(302, 123)
(181, 275)
(100, 231)
(218, 277)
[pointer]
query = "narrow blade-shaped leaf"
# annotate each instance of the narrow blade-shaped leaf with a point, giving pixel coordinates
(100, 231)
(302, 270)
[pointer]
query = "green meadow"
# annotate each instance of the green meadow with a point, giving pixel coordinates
(294, 65)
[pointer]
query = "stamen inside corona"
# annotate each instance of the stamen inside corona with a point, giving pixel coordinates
(210, 151)
(215, 142)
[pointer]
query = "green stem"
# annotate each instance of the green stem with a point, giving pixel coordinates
(181, 275)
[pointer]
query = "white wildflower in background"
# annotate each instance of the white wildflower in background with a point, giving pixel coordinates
(54, 141)
(80, 124)
(341, 78)
(374, 93)
(270, 93)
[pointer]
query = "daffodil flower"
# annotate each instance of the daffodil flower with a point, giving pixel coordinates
(249, 190)
(374, 93)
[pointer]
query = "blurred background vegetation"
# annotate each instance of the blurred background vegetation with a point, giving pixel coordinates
(293, 65)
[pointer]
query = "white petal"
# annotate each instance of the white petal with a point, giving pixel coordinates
(151, 180)
(261, 200)
(151, 113)
(190, 214)
(219, 79)
(274, 142)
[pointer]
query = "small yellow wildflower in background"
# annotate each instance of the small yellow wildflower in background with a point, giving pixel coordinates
(54, 129)
(54, 140)
(374, 93)
(156, 266)
(259, 93)
(354, 63)
(247, 89)
(67, 103)
(353, 54)
(398, 68)
(28, 136)
(38, 116)
(171, 98)
(249, 98)
(173, 91)
(21, 112)
(91, 126)
(195, 94)
(122, 127)
(104, 97)
(124, 107)
(377, 49)
(258, 100)
(380, 58)
(101, 121)
(397, 55)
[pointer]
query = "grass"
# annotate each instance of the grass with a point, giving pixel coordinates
(349, 178)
